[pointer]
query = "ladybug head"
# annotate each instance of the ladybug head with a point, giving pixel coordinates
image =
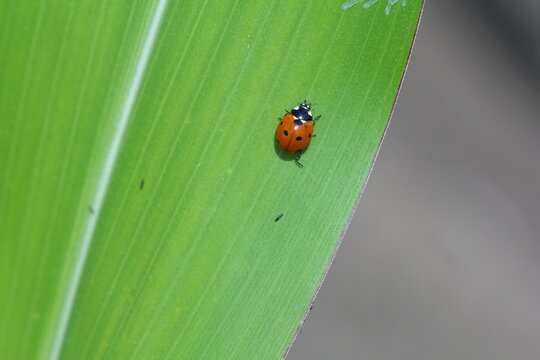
(303, 112)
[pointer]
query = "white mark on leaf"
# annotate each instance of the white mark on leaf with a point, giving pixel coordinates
(367, 4)
(349, 4)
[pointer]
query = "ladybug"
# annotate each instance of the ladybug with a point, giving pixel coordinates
(295, 130)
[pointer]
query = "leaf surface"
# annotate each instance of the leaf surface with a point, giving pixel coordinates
(141, 181)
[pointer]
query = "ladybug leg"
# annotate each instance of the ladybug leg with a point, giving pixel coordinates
(297, 160)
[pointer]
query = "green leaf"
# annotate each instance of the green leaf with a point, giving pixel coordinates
(141, 183)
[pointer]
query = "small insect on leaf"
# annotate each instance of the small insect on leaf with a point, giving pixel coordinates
(295, 130)
(278, 217)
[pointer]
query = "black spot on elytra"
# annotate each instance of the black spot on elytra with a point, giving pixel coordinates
(309, 135)
(285, 132)
(281, 123)
(298, 138)
(298, 121)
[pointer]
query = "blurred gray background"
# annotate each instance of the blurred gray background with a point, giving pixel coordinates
(442, 259)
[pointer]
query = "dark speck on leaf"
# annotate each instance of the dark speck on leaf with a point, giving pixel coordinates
(142, 184)
(278, 217)
(91, 209)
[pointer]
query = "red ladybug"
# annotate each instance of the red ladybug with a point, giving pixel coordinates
(295, 130)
